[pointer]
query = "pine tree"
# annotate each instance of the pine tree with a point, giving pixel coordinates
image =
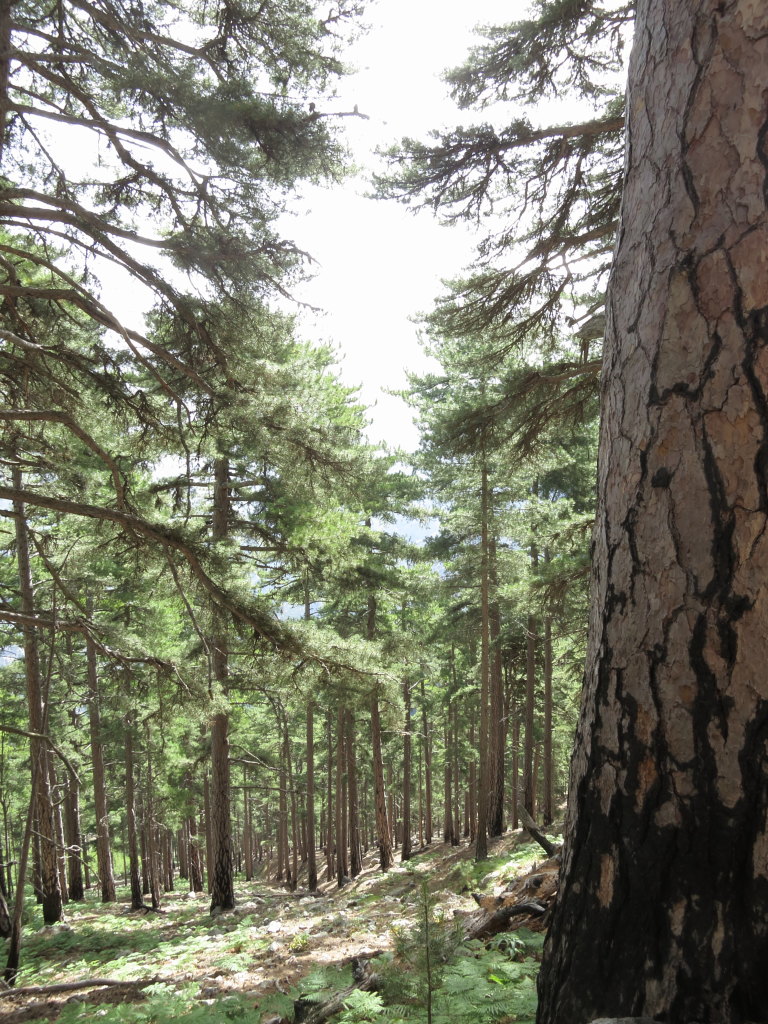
(663, 901)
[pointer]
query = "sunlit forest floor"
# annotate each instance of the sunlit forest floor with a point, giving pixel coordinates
(249, 963)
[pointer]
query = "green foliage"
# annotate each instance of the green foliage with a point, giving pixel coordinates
(162, 1003)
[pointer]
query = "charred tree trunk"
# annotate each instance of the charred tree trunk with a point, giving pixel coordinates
(664, 894)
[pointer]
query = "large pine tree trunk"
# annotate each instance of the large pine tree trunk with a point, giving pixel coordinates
(664, 895)
(380, 804)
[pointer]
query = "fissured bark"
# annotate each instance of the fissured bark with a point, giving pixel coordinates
(664, 899)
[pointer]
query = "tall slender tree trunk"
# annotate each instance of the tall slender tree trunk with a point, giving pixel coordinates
(496, 715)
(74, 838)
(221, 869)
(311, 846)
(481, 836)
(58, 826)
(330, 849)
(134, 871)
(342, 868)
(529, 781)
(38, 722)
(195, 860)
(379, 796)
(427, 753)
(355, 846)
(103, 844)
(449, 831)
(380, 804)
(664, 885)
(548, 801)
(405, 850)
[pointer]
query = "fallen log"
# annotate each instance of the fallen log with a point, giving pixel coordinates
(308, 1012)
(74, 986)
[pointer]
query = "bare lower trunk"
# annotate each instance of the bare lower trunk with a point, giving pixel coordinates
(664, 885)
(405, 851)
(311, 847)
(103, 845)
(481, 836)
(38, 723)
(221, 869)
(137, 898)
(74, 839)
(382, 824)
(355, 847)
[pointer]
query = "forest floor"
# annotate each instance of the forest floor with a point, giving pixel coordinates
(248, 963)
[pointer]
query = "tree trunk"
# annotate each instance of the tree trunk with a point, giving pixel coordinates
(137, 899)
(58, 827)
(342, 870)
(355, 846)
(427, 752)
(405, 851)
(311, 847)
(379, 797)
(664, 885)
(74, 839)
(496, 717)
(330, 848)
(103, 845)
(195, 865)
(221, 868)
(529, 782)
(380, 804)
(481, 834)
(38, 723)
(449, 832)
(548, 801)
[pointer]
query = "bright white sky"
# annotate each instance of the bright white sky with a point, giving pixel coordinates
(378, 263)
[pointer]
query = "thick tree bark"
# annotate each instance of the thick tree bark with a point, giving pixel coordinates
(664, 895)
